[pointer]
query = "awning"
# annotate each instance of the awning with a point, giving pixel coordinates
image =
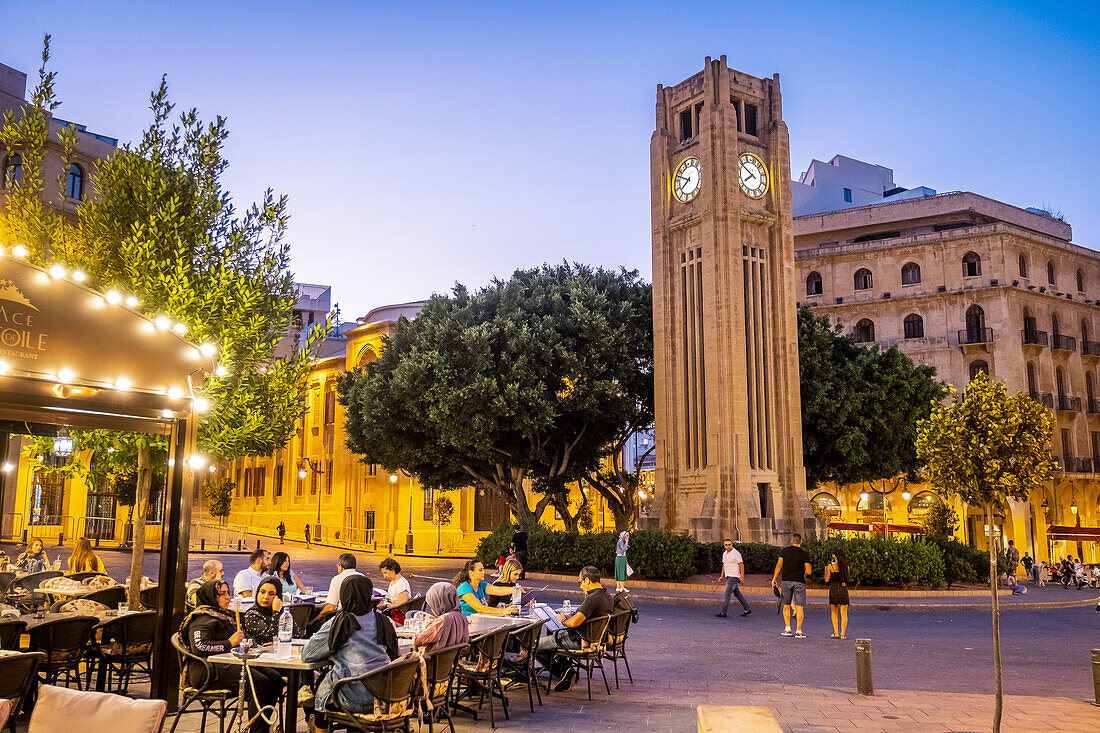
(907, 528)
(1073, 534)
(849, 526)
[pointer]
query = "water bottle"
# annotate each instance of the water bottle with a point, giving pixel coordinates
(517, 595)
(286, 631)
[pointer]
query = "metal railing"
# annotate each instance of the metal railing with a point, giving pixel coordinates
(1069, 404)
(357, 536)
(1036, 338)
(1063, 343)
(1093, 407)
(214, 536)
(1070, 464)
(975, 336)
(1046, 399)
(1090, 348)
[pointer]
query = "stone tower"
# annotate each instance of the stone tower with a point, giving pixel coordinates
(729, 435)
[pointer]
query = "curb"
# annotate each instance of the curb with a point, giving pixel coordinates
(879, 606)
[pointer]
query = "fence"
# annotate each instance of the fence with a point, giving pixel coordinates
(214, 536)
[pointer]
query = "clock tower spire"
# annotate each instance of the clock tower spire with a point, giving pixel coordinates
(729, 435)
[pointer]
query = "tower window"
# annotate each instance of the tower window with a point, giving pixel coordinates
(910, 273)
(865, 331)
(75, 186)
(13, 170)
(736, 113)
(972, 264)
(863, 280)
(1023, 266)
(813, 284)
(978, 367)
(750, 119)
(847, 195)
(1050, 273)
(687, 130)
(1080, 282)
(914, 326)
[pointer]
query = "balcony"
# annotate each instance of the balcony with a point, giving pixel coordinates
(1063, 343)
(1046, 399)
(1092, 407)
(1090, 348)
(1077, 465)
(975, 336)
(1031, 337)
(1069, 404)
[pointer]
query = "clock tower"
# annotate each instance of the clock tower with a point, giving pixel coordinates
(729, 435)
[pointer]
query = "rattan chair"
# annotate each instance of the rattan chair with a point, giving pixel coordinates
(393, 688)
(479, 673)
(10, 632)
(593, 633)
(416, 603)
(21, 592)
(64, 641)
(205, 694)
(83, 576)
(109, 597)
(302, 613)
(441, 665)
(149, 597)
(121, 645)
(17, 676)
(519, 658)
(6, 579)
(617, 630)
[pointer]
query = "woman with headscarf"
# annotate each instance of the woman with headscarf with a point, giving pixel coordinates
(355, 640)
(209, 630)
(620, 560)
(449, 625)
(261, 622)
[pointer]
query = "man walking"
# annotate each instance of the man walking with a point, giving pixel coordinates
(733, 570)
(1013, 557)
(1028, 563)
(307, 536)
(281, 529)
(790, 578)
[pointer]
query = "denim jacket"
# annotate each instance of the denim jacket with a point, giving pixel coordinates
(359, 655)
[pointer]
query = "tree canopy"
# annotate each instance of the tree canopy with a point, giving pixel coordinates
(529, 378)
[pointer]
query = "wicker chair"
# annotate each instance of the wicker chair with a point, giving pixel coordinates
(83, 576)
(441, 665)
(22, 591)
(149, 597)
(480, 673)
(109, 597)
(393, 688)
(17, 676)
(302, 613)
(205, 694)
(617, 630)
(519, 659)
(65, 643)
(593, 633)
(121, 645)
(6, 579)
(416, 603)
(10, 632)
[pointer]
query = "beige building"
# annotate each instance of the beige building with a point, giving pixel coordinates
(728, 424)
(966, 283)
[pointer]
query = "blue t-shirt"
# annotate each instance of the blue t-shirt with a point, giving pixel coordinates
(465, 588)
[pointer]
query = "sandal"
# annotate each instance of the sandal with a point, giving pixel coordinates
(834, 636)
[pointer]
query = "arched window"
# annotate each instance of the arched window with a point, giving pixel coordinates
(922, 503)
(1050, 272)
(972, 264)
(910, 273)
(914, 326)
(75, 187)
(1090, 389)
(978, 367)
(1030, 325)
(1055, 328)
(865, 331)
(875, 502)
(863, 280)
(1084, 333)
(1023, 265)
(1032, 378)
(825, 505)
(813, 284)
(975, 325)
(1080, 282)
(1060, 382)
(13, 170)
(367, 356)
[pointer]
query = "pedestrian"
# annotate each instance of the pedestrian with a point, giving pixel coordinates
(1043, 573)
(1028, 563)
(733, 570)
(519, 539)
(836, 575)
(790, 579)
(1013, 557)
(621, 565)
(307, 536)
(281, 529)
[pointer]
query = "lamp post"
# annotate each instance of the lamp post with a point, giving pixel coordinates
(302, 474)
(409, 536)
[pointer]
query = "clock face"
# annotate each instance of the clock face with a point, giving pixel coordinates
(752, 174)
(687, 180)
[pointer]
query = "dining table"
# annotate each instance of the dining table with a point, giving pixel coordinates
(291, 667)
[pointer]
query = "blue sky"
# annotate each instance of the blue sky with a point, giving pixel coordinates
(423, 144)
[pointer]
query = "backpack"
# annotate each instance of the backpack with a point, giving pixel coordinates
(623, 602)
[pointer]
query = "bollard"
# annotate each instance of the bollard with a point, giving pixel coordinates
(257, 543)
(60, 539)
(202, 545)
(864, 686)
(1096, 677)
(238, 545)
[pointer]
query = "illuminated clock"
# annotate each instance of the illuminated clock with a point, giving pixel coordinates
(687, 180)
(752, 174)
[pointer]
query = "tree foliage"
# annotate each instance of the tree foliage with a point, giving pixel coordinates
(860, 406)
(941, 521)
(526, 383)
(218, 493)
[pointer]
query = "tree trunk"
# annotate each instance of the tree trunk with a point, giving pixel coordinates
(993, 577)
(141, 509)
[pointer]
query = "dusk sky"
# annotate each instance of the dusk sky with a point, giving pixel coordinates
(424, 144)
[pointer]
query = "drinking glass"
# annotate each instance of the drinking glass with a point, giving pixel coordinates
(567, 604)
(123, 608)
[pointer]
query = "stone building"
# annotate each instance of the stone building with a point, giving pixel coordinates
(964, 283)
(728, 424)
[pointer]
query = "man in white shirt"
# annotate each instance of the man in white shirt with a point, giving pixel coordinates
(345, 566)
(246, 581)
(733, 570)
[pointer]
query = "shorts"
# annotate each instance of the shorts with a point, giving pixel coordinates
(791, 591)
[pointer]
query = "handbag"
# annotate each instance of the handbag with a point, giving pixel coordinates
(629, 570)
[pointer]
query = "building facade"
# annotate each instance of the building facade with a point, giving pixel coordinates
(965, 283)
(728, 425)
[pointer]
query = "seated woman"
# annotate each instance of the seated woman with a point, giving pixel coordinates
(83, 560)
(210, 630)
(449, 625)
(261, 622)
(472, 589)
(510, 573)
(355, 640)
(33, 559)
(280, 568)
(399, 589)
(1015, 586)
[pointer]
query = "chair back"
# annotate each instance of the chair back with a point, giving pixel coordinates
(392, 687)
(302, 613)
(10, 631)
(593, 632)
(129, 636)
(488, 648)
(17, 673)
(109, 597)
(527, 637)
(31, 582)
(618, 627)
(77, 605)
(97, 712)
(187, 659)
(6, 579)
(83, 576)
(440, 666)
(149, 596)
(416, 603)
(65, 640)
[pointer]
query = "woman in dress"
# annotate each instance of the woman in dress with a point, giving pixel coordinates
(209, 630)
(355, 640)
(261, 622)
(472, 588)
(33, 559)
(280, 568)
(399, 589)
(449, 626)
(83, 560)
(836, 575)
(620, 560)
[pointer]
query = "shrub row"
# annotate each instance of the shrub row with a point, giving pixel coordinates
(667, 556)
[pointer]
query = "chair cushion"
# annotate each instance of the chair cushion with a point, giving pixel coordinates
(84, 606)
(98, 712)
(5, 712)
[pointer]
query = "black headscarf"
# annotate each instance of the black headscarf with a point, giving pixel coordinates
(267, 610)
(356, 599)
(206, 603)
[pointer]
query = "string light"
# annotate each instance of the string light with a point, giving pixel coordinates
(113, 297)
(213, 468)
(79, 276)
(201, 404)
(65, 375)
(162, 322)
(175, 393)
(179, 328)
(19, 250)
(4, 367)
(166, 413)
(123, 383)
(8, 467)
(196, 461)
(221, 371)
(57, 271)
(132, 301)
(208, 349)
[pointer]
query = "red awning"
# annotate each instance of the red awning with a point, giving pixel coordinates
(850, 526)
(1073, 534)
(908, 528)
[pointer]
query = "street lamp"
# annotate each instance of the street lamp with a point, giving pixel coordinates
(302, 474)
